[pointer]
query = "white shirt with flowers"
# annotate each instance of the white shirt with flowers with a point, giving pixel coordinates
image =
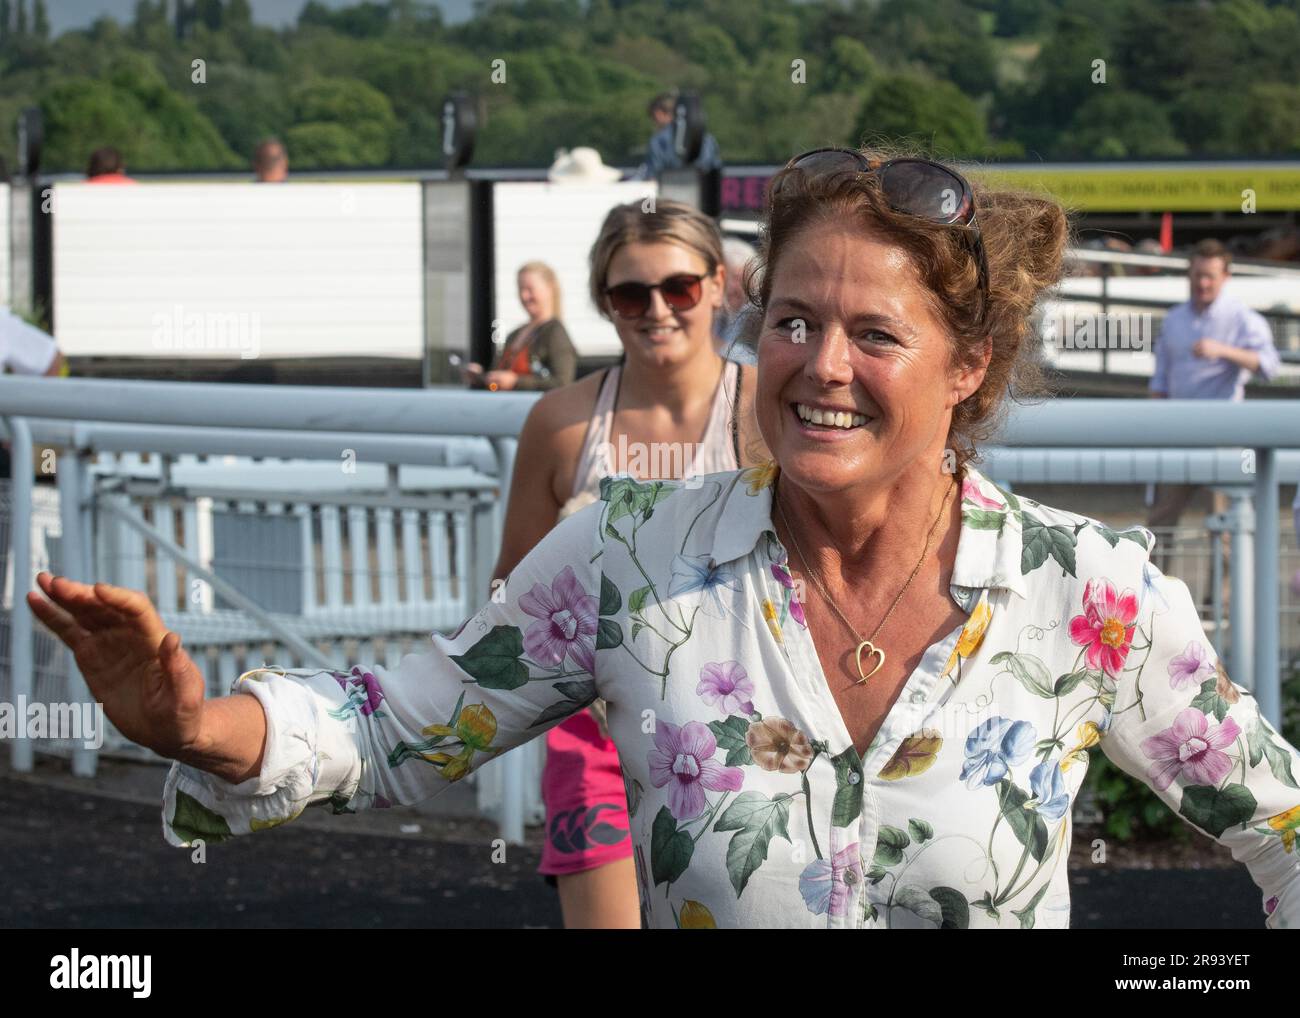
(749, 805)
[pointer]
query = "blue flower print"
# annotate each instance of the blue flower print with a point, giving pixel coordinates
(994, 748)
(1051, 798)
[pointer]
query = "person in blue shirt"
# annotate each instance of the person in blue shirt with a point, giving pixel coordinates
(1209, 346)
(660, 154)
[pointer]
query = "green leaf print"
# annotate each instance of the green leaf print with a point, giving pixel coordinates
(494, 662)
(609, 634)
(756, 819)
(670, 849)
(730, 734)
(984, 519)
(1208, 701)
(846, 807)
(610, 599)
(1029, 671)
(193, 820)
(1261, 744)
(956, 910)
(577, 694)
(637, 599)
(1214, 810)
(1039, 542)
(1026, 914)
(889, 846)
(1067, 684)
(920, 831)
(918, 901)
(1029, 828)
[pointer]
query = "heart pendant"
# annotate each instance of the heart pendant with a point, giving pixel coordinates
(872, 650)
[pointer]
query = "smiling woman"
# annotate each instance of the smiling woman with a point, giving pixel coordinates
(779, 768)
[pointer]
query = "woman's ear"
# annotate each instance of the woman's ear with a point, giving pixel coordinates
(969, 378)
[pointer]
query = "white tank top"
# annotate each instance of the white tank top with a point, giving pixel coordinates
(715, 451)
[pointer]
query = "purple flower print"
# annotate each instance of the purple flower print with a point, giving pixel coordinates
(1191, 667)
(365, 688)
(783, 577)
(684, 757)
(568, 623)
(822, 882)
(993, 748)
(727, 686)
(1194, 745)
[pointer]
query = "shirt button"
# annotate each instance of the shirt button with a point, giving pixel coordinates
(918, 696)
(850, 877)
(854, 778)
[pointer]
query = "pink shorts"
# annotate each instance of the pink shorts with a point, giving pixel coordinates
(586, 802)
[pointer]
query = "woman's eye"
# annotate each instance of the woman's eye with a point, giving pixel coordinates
(793, 326)
(876, 336)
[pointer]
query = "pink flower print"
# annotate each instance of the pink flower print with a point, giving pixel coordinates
(1191, 667)
(783, 577)
(1106, 626)
(683, 759)
(823, 882)
(728, 687)
(1192, 744)
(970, 492)
(568, 617)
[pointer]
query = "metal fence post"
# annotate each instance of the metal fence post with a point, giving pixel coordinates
(22, 752)
(71, 475)
(1268, 679)
(1241, 566)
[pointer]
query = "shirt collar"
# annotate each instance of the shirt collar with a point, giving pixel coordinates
(988, 549)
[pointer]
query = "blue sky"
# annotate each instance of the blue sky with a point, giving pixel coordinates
(65, 14)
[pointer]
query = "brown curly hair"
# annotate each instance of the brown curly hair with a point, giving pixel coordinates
(1025, 237)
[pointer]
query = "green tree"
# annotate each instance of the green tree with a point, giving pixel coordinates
(359, 112)
(935, 112)
(1115, 124)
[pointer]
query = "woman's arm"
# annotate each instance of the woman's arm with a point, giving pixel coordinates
(532, 508)
(367, 737)
(1180, 725)
(555, 350)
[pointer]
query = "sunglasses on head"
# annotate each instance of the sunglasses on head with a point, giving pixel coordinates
(915, 187)
(632, 300)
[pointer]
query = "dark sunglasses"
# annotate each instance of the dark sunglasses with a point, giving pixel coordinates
(632, 300)
(915, 187)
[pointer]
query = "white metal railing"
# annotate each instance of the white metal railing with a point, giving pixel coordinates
(1245, 448)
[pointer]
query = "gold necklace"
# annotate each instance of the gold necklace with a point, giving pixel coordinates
(868, 645)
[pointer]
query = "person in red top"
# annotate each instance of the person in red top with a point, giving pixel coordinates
(107, 167)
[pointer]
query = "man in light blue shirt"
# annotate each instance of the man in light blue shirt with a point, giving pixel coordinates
(1208, 348)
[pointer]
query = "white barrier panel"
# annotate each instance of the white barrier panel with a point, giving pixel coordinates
(556, 224)
(4, 245)
(238, 270)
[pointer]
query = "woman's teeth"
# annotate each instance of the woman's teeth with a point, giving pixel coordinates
(664, 330)
(829, 418)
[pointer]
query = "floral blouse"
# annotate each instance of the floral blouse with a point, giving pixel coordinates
(749, 805)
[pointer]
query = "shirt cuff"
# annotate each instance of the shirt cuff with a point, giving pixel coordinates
(309, 757)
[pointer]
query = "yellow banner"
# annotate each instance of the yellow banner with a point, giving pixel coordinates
(1221, 188)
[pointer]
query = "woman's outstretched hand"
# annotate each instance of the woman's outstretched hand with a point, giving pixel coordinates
(150, 688)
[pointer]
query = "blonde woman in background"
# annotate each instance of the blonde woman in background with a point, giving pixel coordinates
(538, 354)
(673, 407)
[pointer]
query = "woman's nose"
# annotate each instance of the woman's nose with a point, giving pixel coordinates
(827, 362)
(658, 309)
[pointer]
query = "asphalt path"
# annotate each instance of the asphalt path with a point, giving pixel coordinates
(73, 858)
